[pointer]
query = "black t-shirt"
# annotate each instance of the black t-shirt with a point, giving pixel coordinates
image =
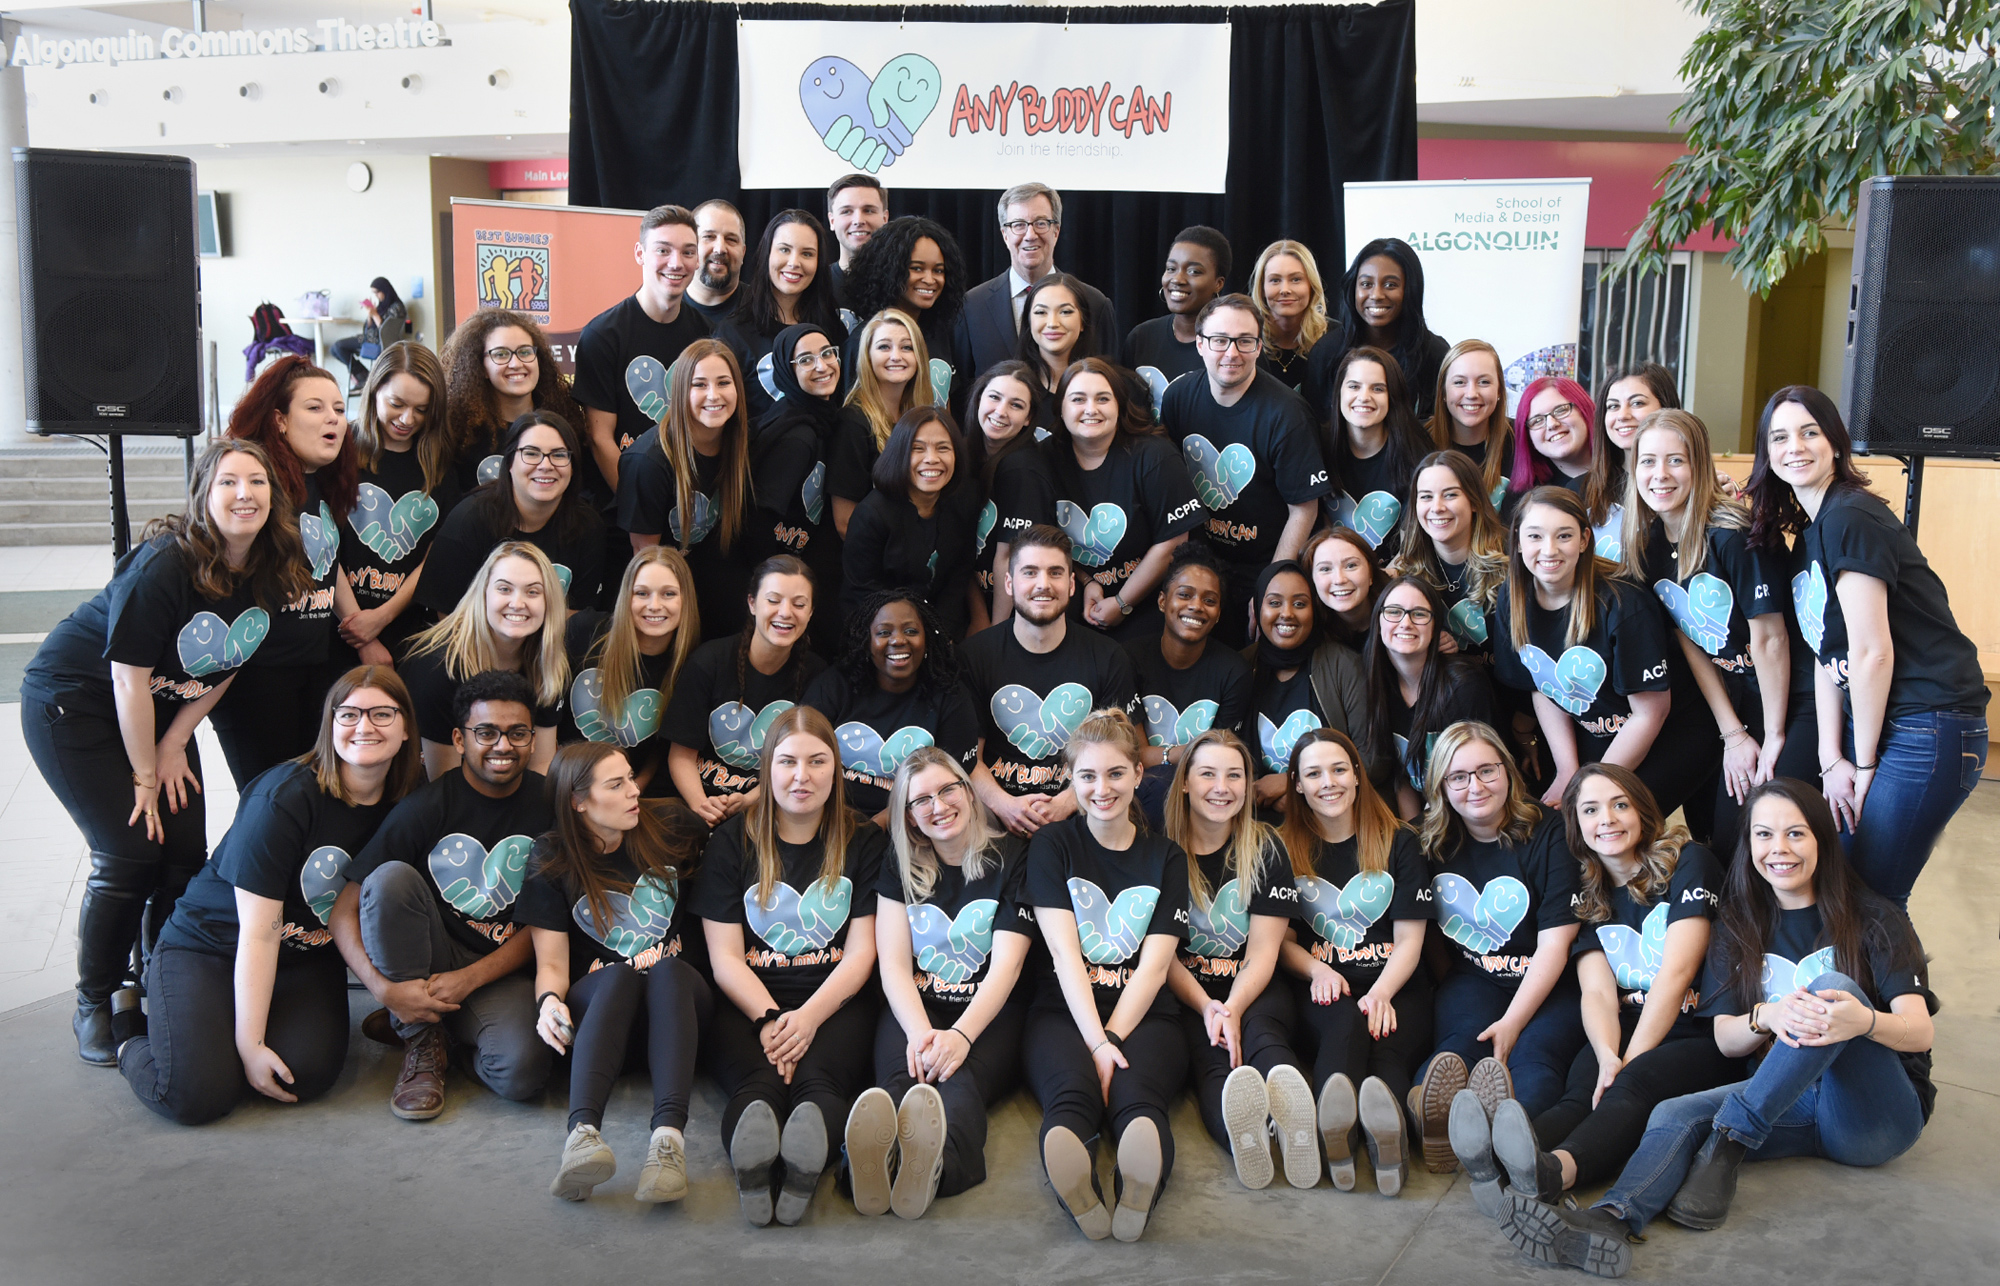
(474, 848)
(793, 944)
(1248, 462)
(1420, 383)
(432, 689)
(1370, 500)
(634, 727)
(1629, 649)
(1634, 940)
(1152, 344)
(878, 729)
(952, 926)
(1937, 667)
(290, 842)
(1023, 494)
(1467, 695)
(1492, 899)
(302, 630)
(1180, 705)
(724, 723)
(1218, 936)
(788, 478)
(753, 357)
(717, 313)
(622, 361)
(389, 534)
(1113, 514)
(890, 545)
(1030, 703)
(851, 460)
(1713, 608)
(465, 539)
(150, 615)
(645, 925)
(1347, 919)
(1119, 900)
(1286, 709)
(649, 504)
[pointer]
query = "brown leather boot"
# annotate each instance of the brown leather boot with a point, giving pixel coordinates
(419, 1092)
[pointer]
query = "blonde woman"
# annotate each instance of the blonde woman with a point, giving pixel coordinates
(1363, 906)
(1469, 414)
(511, 618)
(892, 374)
(1238, 1027)
(794, 1038)
(624, 662)
(952, 928)
(1104, 1055)
(1291, 301)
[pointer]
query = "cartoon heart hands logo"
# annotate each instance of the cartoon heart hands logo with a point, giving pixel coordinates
(1809, 601)
(1040, 726)
(1373, 517)
(869, 122)
(1166, 726)
(1781, 977)
(639, 719)
(864, 750)
(1701, 608)
(1573, 682)
(1480, 920)
(1093, 534)
(638, 920)
(477, 882)
(1224, 927)
(323, 877)
(321, 536)
(1635, 958)
(1277, 740)
(206, 646)
(1219, 476)
(737, 732)
(391, 528)
(951, 951)
(1343, 916)
(1110, 929)
(796, 923)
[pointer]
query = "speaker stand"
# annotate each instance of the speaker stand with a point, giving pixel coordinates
(121, 524)
(1913, 489)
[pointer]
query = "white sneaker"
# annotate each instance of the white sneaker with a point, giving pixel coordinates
(920, 1133)
(664, 1177)
(1246, 1112)
(1295, 1119)
(586, 1162)
(871, 1143)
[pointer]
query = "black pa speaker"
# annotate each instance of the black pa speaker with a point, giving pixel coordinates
(110, 296)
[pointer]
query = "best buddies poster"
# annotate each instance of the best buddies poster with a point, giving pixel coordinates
(981, 105)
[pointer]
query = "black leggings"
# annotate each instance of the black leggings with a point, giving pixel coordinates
(134, 881)
(1064, 1079)
(835, 1067)
(1267, 1043)
(186, 1068)
(1601, 1141)
(1337, 1035)
(989, 1073)
(270, 714)
(667, 1005)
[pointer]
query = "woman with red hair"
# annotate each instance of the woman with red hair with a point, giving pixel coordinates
(295, 411)
(1556, 444)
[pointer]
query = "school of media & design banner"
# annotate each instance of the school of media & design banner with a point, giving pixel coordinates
(1503, 262)
(1091, 107)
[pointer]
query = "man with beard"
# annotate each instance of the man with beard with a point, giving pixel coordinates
(719, 230)
(426, 920)
(1035, 680)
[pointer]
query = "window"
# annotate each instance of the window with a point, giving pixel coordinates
(1633, 320)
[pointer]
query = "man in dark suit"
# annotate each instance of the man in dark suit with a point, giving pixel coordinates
(989, 325)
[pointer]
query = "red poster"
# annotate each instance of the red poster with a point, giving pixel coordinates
(561, 265)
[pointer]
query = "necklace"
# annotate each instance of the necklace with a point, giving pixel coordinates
(1282, 358)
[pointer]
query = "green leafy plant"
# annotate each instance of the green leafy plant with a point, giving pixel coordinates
(1793, 104)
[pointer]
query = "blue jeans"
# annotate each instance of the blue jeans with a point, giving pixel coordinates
(1929, 764)
(1852, 1103)
(1468, 1002)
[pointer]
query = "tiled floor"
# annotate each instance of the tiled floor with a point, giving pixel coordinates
(55, 567)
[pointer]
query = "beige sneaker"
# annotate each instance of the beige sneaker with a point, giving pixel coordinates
(664, 1176)
(586, 1162)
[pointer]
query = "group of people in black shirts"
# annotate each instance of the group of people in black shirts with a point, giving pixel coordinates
(1262, 710)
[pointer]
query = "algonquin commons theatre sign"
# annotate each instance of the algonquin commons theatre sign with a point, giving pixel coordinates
(327, 35)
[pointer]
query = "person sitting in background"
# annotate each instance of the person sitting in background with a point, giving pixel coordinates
(918, 529)
(382, 318)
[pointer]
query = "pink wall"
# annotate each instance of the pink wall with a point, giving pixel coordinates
(1624, 176)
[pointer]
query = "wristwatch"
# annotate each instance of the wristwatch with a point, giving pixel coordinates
(1124, 608)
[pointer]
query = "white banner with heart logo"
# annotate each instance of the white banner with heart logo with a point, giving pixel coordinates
(1090, 107)
(1503, 262)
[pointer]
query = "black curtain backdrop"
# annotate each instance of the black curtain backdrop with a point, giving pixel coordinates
(1318, 95)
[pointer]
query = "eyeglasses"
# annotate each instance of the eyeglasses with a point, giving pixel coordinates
(1015, 227)
(525, 355)
(535, 455)
(828, 355)
(947, 795)
(1487, 774)
(1223, 343)
(1536, 423)
(380, 716)
(1395, 612)
(486, 734)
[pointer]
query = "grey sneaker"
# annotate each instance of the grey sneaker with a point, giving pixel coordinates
(586, 1162)
(664, 1177)
(920, 1140)
(1246, 1111)
(1295, 1120)
(871, 1146)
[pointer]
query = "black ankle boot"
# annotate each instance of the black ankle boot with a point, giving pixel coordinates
(1703, 1201)
(92, 1025)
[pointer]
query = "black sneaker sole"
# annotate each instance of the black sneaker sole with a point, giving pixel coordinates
(804, 1151)
(753, 1146)
(1539, 1231)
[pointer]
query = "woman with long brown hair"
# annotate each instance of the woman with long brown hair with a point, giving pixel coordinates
(602, 902)
(1469, 413)
(623, 663)
(498, 367)
(1454, 541)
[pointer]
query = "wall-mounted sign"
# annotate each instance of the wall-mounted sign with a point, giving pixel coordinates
(528, 176)
(334, 35)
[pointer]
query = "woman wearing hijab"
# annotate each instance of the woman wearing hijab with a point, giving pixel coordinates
(788, 452)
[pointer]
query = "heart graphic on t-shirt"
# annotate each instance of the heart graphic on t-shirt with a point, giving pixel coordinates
(322, 540)
(1224, 927)
(796, 922)
(765, 378)
(1219, 476)
(489, 469)
(1373, 517)
(1701, 608)
(952, 950)
(391, 528)
(648, 382)
(1466, 622)
(1040, 726)
(1809, 604)
(1343, 916)
(1277, 740)
(1635, 958)
(1415, 765)
(1156, 383)
(206, 646)
(477, 882)
(1572, 682)
(812, 493)
(1166, 726)
(1480, 920)
(1609, 540)
(1780, 977)
(637, 920)
(562, 575)
(1093, 536)
(940, 381)
(323, 877)
(705, 516)
(639, 719)
(864, 750)
(989, 516)
(1110, 929)
(737, 732)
